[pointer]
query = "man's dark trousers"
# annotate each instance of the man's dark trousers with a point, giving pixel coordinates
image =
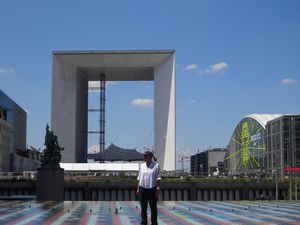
(148, 195)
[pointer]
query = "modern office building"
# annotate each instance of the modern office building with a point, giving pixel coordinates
(207, 162)
(247, 151)
(5, 134)
(14, 121)
(70, 76)
(27, 160)
(263, 143)
(283, 142)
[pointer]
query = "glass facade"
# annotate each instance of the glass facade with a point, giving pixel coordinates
(16, 118)
(283, 141)
(247, 148)
(257, 146)
(199, 164)
(4, 144)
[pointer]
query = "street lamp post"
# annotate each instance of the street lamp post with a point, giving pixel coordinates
(290, 186)
(276, 181)
(296, 190)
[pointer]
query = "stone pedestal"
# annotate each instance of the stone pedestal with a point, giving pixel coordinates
(50, 184)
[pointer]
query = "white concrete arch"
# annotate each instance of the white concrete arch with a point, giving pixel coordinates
(73, 69)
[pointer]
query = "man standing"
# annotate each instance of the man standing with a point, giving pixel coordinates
(148, 187)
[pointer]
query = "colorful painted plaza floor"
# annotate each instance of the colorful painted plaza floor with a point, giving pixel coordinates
(173, 213)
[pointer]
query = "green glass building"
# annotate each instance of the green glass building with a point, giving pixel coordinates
(247, 150)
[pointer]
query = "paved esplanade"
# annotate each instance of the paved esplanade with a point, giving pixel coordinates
(70, 76)
(128, 213)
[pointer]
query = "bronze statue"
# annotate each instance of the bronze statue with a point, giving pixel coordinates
(52, 156)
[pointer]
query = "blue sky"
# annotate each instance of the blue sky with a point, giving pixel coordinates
(233, 58)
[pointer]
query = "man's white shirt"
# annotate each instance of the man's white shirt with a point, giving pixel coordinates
(149, 175)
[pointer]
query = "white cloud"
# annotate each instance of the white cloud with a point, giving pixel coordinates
(7, 70)
(216, 68)
(287, 81)
(191, 101)
(95, 85)
(191, 67)
(108, 83)
(142, 102)
(94, 149)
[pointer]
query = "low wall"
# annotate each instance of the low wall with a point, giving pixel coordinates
(175, 191)
(15, 187)
(170, 191)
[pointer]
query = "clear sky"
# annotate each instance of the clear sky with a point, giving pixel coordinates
(233, 58)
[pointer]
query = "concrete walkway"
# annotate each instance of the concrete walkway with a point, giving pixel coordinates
(172, 213)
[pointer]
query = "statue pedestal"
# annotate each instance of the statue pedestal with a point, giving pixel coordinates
(50, 184)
